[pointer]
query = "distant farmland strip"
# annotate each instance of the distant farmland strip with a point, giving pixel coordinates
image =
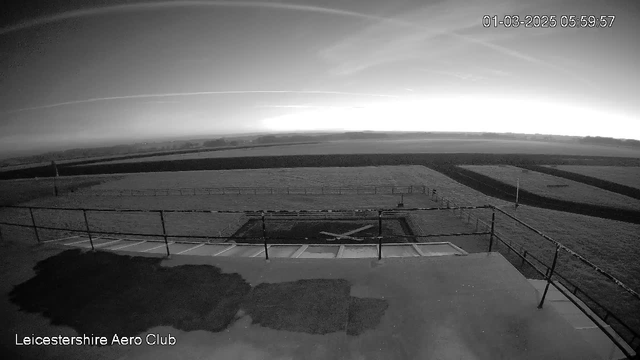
(498, 189)
(293, 161)
(633, 192)
(555, 187)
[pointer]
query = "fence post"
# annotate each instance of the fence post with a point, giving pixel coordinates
(493, 222)
(553, 266)
(477, 219)
(264, 238)
(164, 233)
(86, 223)
(35, 228)
(379, 235)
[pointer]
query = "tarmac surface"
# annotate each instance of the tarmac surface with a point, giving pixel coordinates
(451, 307)
(476, 306)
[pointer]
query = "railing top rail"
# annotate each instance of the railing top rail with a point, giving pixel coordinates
(572, 253)
(265, 211)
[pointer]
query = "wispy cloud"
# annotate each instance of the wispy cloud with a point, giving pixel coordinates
(423, 32)
(152, 5)
(199, 93)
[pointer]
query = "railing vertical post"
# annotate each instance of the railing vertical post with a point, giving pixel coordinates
(477, 224)
(264, 238)
(553, 266)
(86, 223)
(164, 233)
(379, 235)
(35, 228)
(493, 222)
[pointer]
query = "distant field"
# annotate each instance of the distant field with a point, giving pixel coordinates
(407, 146)
(629, 176)
(539, 183)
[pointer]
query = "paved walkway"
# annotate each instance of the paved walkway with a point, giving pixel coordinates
(257, 250)
(589, 331)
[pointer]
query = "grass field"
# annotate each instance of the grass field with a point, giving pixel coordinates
(408, 146)
(629, 176)
(538, 183)
(204, 224)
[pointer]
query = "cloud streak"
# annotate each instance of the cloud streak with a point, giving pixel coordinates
(155, 5)
(199, 93)
(74, 14)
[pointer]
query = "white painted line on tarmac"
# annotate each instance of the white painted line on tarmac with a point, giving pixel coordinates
(299, 252)
(417, 249)
(261, 251)
(81, 241)
(64, 238)
(225, 250)
(189, 249)
(157, 247)
(108, 243)
(125, 246)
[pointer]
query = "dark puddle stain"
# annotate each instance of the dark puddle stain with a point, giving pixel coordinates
(102, 293)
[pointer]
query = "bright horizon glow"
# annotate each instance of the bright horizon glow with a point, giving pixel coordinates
(462, 114)
(94, 74)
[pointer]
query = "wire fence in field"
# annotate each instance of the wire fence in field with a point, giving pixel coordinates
(306, 190)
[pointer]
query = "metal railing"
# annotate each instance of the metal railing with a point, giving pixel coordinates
(381, 212)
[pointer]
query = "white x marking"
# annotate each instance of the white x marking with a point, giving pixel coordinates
(346, 235)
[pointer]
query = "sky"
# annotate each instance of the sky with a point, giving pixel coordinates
(82, 72)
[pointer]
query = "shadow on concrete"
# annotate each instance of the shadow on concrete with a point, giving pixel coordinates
(104, 294)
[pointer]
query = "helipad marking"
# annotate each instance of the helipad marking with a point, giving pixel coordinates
(346, 235)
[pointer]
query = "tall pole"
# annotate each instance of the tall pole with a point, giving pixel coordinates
(264, 238)
(86, 223)
(493, 221)
(517, 191)
(164, 233)
(379, 235)
(55, 177)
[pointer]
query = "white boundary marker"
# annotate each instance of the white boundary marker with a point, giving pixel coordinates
(299, 252)
(417, 249)
(157, 247)
(81, 241)
(107, 243)
(189, 249)
(261, 251)
(225, 250)
(125, 246)
(64, 238)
